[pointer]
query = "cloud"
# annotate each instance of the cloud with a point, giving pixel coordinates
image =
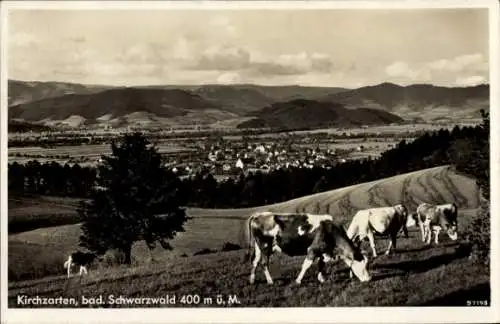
(398, 69)
(228, 78)
(459, 63)
(459, 70)
(402, 72)
(223, 23)
(187, 58)
(470, 80)
(23, 40)
(148, 53)
(223, 58)
(232, 58)
(78, 39)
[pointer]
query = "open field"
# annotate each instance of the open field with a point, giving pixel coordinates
(414, 275)
(32, 212)
(89, 153)
(386, 129)
(89, 150)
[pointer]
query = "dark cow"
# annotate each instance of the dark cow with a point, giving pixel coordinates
(82, 259)
(315, 236)
(378, 221)
(436, 218)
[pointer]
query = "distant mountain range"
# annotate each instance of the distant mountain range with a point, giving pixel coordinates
(70, 104)
(20, 92)
(418, 100)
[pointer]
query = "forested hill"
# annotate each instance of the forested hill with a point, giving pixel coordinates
(309, 114)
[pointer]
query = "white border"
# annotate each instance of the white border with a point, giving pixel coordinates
(264, 315)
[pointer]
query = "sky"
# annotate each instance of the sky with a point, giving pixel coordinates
(334, 47)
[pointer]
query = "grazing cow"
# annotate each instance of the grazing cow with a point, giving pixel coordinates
(378, 221)
(436, 218)
(82, 259)
(315, 236)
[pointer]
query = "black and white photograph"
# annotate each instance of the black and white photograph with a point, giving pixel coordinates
(265, 156)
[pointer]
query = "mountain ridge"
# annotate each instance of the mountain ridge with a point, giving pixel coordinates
(53, 102)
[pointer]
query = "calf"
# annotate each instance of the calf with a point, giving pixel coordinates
(313, 236)
(82, 259)
(434, 218)
(378, 221)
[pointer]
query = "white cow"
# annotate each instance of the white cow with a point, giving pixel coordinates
(379, 221)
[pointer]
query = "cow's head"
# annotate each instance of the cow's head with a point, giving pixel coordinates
(450, 227)
(448, 222)
(359, 266)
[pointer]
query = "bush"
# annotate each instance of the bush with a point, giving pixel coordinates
(477, 236)
(228, 246)
(112, 257)
(204, 251)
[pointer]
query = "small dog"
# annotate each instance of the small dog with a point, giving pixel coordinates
(82, 259)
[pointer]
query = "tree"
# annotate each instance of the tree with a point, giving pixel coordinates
(16, 178)
(135, 199)
(472, 156)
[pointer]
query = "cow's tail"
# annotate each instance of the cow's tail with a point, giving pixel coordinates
(249, 253)
(404, 220)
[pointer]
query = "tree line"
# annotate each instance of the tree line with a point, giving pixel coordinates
(50, 178)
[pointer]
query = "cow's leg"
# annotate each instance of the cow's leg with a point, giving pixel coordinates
(436, 233)
(275, 246)
(255, 262)
(321, 267)
(69, 269)
(428, 234)
(265, 263)
(308, 261)
(369, 234)
(392, 243)
(405, 231)
(85, 270)
(389, 247)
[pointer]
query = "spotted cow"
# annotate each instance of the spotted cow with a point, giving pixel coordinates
(434, 218)
(81, 259)
(314, 236)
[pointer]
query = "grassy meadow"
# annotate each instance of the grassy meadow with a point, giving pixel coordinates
(414, 275)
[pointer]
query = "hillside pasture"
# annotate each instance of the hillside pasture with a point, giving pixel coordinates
(210, 228)
(414, 275)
